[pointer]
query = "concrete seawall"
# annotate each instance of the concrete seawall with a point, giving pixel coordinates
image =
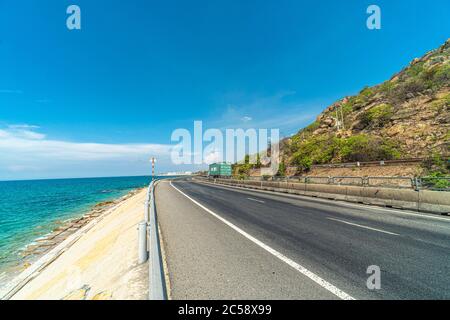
(98, 262)
(437, 202)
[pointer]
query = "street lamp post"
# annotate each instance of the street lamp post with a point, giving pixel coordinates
(153, 167)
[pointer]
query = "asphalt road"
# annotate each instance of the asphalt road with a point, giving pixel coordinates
(227, 243)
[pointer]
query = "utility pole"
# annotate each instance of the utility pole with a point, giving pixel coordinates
(338, 121)
(342, 118)
(153, 159)
(339, 118)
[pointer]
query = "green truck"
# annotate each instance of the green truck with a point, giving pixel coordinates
(219, 170)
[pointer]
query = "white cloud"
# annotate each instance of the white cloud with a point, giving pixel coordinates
(25, 131)
(28, 142)
(22, 133)
(246, 119)
(22, 149)
(213, 157)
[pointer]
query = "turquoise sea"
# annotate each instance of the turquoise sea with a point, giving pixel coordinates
(32, 209)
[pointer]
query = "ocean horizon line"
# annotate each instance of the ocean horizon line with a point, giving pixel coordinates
(75, 178)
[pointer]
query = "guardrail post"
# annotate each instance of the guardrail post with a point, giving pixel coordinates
(142, 247)
(146, 211)
(417, 183)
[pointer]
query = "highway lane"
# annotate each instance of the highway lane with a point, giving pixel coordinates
(335, 241)
(207, 259)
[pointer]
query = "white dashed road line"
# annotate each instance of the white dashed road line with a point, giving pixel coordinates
(365, 227)
(256, 200)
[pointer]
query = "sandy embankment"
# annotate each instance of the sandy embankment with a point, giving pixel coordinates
(97, 262)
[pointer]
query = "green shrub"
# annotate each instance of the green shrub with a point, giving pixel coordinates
(316, 150)
(245, 168)
(305, 162)
(440, 104)
(326, 149)
(400, 93)
(436, 77)
(387, 87)
(303, 134)
(415, 69)
(442, 75)
(258, 161)
(441, 184)
(360, 99)
(366, 93)
(281, 170)
(432, 180)
(389, 150)
(347, 108)
(366, 148)
(312, 127)
(429, 74)
(437, 164)
(242, 177)
(378, 115)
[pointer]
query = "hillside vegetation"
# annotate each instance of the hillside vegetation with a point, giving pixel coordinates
(405, 117)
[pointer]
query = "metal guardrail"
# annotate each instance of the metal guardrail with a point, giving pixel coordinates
(150, 249)
(387, 182)
(416, 183)
(368, 163)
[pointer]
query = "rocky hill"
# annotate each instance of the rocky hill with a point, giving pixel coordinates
(407, 116)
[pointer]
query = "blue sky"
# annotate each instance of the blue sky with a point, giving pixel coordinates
(99, 101)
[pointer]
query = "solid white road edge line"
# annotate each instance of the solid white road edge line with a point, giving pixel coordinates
(361, 226)
(323, 283)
